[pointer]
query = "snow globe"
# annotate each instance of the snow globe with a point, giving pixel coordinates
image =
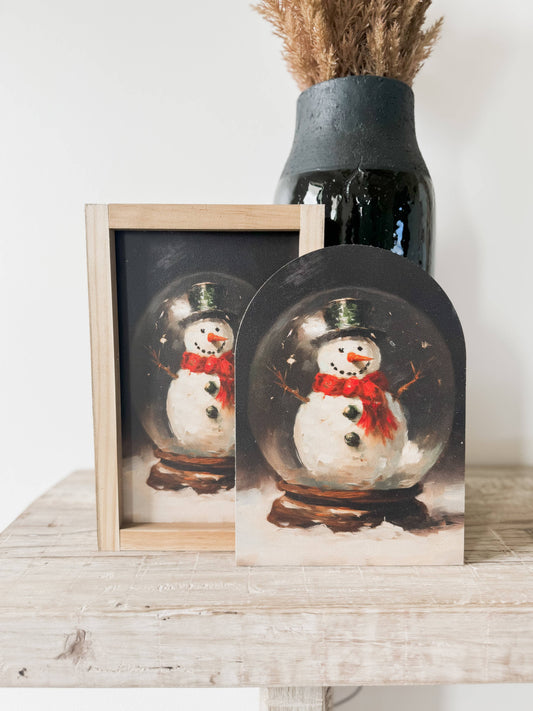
(183, 380)
(353, 394)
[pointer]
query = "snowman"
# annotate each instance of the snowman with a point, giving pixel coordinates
(200, 401)
(350, 431)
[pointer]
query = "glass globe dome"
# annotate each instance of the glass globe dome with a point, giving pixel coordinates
(196, 318)
(392, 377)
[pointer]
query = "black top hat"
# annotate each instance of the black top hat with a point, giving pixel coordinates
(348, 317)
(206, 300)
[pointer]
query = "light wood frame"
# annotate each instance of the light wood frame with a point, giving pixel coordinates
(101, 223)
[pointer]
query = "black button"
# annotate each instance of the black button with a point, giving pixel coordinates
(352, 439)
(211, 387)
(212, 412)
(351, 412)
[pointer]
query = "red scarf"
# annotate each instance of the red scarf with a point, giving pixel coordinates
(376, 415)
(222, 366)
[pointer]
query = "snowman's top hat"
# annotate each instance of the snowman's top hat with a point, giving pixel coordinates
(206, 300)
(348, 317)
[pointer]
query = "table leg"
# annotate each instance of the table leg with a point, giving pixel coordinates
(296, 698)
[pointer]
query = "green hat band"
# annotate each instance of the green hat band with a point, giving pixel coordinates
(206, 296)
(345, 313)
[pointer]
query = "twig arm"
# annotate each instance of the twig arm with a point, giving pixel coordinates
(282, 383)
(155, 359)
(417, 374)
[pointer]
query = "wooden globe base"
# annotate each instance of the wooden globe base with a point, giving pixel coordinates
(205, 475)
(305, 506)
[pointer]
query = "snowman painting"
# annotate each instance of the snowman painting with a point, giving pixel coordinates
(350, 432)
(200, 404)
(350, 415)
(200, 401)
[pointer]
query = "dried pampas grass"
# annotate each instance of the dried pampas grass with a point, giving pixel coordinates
(326, 39)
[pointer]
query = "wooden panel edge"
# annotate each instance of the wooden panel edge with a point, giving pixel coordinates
(312, 224)
(177, 537)
(296, 698)
(104, 357)
(204, 217)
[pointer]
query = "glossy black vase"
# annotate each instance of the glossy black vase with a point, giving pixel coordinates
(355, 151)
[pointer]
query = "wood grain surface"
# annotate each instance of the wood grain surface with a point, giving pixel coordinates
(206, 217)
(70, 616)
(105, 368)
(295, 698)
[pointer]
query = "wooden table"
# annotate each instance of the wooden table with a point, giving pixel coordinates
(70, 616)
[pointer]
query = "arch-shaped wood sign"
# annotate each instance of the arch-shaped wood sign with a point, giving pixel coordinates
(350, 367)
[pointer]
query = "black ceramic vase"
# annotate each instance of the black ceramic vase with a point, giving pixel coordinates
(355, 151)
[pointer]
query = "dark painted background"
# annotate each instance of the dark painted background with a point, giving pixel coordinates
(334, 269)
(146, 262)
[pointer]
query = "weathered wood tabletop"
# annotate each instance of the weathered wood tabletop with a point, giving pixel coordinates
(70, 616)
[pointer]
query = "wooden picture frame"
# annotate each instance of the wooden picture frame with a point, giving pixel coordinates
(102, 222)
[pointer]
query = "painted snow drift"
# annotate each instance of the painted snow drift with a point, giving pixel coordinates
(350, 415)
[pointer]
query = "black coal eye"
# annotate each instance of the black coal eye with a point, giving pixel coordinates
(341, 350)
(202, 330)
(217, 329)
(359, 348)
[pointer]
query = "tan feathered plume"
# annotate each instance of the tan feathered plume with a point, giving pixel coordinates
(326, 39)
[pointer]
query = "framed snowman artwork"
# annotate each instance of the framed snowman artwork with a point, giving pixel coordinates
(350, 415)
(168, 285)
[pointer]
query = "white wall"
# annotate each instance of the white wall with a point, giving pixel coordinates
(174, 101)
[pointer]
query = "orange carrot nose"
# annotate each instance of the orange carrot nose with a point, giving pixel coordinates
(212, 337)
(355, 357)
